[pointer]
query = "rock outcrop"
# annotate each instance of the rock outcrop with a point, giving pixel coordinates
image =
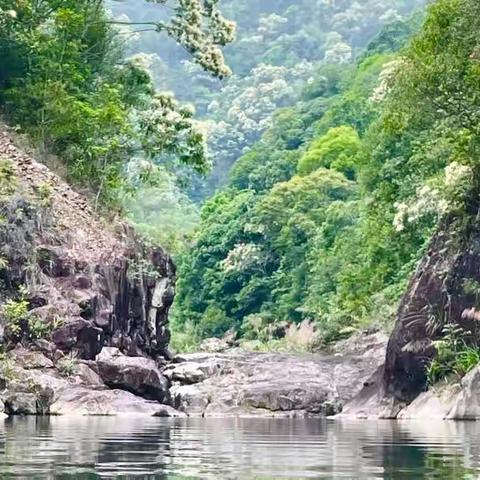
(271, 384)
(442, 291)
(74, 286)
(448, 401)
(88, 282)
(34, 387)
(138, 375)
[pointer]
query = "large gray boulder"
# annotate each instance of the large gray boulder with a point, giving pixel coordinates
(138, 375)
(81, 400)
(435, 404)
(435, 295)
(193, 399)
(452, 401)
(24, 401)
(47, 392)
(239, 383)
(192, 371)
(30, 360)
(467, 404)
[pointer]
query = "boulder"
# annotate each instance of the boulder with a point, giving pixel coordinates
(30, 360)
(436, 403)
(189, 372)
(20, 403)
(85, 375)
(165, 411)
(80, 335)
(240, 383)
(436, 294)
(37, 401)
(45, 347)
(54, 261)
(186, 373)
(467, 402)
(80, 400)
(40, 392)
(191, 399)
(138, 375)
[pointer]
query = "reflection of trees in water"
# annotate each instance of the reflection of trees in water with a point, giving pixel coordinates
(86, 447)
(139, 447)
(426, 450)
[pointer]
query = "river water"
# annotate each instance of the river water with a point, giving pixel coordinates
(150, 448)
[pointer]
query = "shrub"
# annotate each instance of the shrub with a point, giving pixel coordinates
(20, 322)
(15, 312)
(7, 368)
(455, 357)
(7, 178)
(67, 366)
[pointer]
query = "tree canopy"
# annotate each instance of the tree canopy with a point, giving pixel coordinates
(325, 218)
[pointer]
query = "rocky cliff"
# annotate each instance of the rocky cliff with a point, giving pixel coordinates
(443, 291)
(83, 322)
(71, 282)
(91, 283)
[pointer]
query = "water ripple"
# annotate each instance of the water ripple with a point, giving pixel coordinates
(262, 449)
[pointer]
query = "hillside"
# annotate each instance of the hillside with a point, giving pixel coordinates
(72, 284)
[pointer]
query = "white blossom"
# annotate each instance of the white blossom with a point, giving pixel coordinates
(385, 80)
(242, 257)
(427, 201)
(457, 174)
(269, 24)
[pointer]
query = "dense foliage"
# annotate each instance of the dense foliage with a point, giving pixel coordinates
(278, 47)
(325, 218)
(64, 81)
(338, 147)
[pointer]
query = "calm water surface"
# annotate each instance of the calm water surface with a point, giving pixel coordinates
(148, 448)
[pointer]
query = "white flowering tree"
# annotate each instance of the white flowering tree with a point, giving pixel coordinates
(279, 42)
(436, 198)
(198, 26)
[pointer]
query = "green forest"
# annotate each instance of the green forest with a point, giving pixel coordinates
(325, 218)
(295, 157)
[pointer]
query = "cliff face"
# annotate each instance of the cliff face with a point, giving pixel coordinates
(438, 294)
(86, 283)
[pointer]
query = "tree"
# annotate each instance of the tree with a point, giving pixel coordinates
(336, 149)
(198, 26)
(66, 83)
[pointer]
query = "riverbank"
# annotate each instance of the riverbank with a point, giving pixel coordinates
(242, 383)
(231, 383)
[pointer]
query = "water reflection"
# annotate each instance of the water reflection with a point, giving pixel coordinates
(148, 448)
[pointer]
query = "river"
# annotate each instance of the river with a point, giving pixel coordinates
(153, 448)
